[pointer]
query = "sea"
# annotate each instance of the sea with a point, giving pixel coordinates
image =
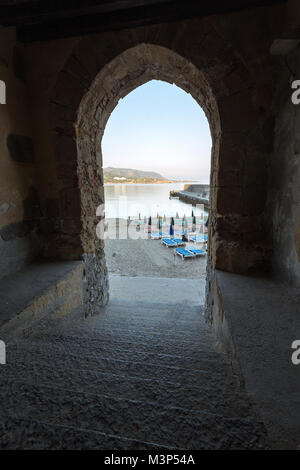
(145, 200)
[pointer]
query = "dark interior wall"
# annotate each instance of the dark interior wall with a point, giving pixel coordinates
(285, 175)
(19, 202)
(44, 61)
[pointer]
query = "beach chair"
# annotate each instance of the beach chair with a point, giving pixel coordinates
(178, 241)
(179, 232)
(196, 251)
(183, 253)
(198, 238)
(169, 242)
(158, 236)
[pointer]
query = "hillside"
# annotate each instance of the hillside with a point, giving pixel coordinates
(130, 175)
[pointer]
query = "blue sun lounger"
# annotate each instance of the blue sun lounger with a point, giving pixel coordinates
(169, 243)
(183, 253)
(198, 238)
(178, 241)
(172, 242)
(196, 251)
(157, 236)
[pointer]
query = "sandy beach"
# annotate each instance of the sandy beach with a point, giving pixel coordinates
(146, 257)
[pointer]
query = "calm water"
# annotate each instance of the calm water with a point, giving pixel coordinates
(123, 200)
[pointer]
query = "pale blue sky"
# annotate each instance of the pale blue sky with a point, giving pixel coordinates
(159, 127)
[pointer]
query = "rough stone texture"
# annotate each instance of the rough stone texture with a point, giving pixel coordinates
(257, 321)
(138, 376)
(95, 282)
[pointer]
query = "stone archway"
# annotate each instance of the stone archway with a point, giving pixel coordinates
(126, 72)
(99, 72)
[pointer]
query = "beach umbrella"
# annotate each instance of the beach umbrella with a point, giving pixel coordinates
(172, 221)
(145, 220)
(150, 220)
(165, 217)
(194, 223)
(160, 226)
(192, 213)
(171, 230)
(139, 216)
(177, 215)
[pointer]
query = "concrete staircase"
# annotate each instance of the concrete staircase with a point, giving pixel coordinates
(141, 375)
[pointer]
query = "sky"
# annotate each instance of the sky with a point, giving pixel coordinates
(159, 127)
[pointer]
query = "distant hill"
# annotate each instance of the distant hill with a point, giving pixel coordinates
(130, 174)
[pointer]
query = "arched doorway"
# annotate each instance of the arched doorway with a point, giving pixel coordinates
(131, 69)
(232, 244)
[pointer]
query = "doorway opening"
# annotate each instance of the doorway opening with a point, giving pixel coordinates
(156, 152)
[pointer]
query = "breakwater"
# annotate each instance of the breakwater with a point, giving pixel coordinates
(193, 194)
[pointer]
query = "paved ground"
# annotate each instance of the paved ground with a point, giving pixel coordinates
(142, 375)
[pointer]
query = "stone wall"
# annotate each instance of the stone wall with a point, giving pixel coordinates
(285, 176)
(19, 201)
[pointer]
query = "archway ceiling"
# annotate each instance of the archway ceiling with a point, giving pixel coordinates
(48, 19)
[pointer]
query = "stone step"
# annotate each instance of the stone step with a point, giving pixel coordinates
(147, 324)
(155, 310)
(22, 357)
(188, 338)
(113, 318)
(140, 344)
(213, 397)
(129, 419)
(200, 359)
(30, 434)
(117, 324)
